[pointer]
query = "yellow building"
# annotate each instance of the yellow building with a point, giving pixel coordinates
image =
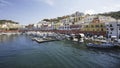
(57, 25)
(95, 26)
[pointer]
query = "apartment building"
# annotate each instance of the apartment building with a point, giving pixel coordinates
(113, 30)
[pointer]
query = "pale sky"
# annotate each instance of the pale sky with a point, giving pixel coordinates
(32, 11)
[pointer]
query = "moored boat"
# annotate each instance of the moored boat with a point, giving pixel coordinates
(101, 45)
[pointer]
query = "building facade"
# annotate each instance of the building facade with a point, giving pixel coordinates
(10, 26)
(113, 30)
(103, 19)
(95, 27)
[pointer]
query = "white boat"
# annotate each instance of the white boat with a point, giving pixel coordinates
(102, 45)
(8, 33)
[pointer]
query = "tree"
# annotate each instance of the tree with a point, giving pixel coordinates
(46, 20)
(115, 15)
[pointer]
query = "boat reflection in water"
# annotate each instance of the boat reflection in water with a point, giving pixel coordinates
(19, 51)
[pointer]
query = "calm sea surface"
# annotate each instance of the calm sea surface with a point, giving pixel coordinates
(19, 51)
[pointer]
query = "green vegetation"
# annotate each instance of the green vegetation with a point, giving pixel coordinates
(55, 19)
(115, 15)
(10, 21)
(13, 28)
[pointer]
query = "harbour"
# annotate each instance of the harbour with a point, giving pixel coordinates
(19, 51)
(59, 34)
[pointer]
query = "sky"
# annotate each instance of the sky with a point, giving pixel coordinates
(33, 11)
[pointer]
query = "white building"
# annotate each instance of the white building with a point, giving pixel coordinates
(70, 24)
(9, 25)
(113, 30)
(89, 18)
(103, 19)
(65, 24)
(43, 25)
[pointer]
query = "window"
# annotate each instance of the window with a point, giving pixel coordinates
(111, 29)
(101, 25)
(79, 18)
(109, 36)
(101, 29)
(73, 23)
(97, 25)
(92, 26)
(111, 25)
(97, 29)
(86, 26)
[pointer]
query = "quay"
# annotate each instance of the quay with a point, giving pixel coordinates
(76, 32)
(55, 35)
(74, 35)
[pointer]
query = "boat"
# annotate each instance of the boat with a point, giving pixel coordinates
(34, 38)
(101, 45)
(42, 40)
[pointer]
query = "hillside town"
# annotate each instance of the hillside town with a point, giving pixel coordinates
(81, 23)
(91, 26)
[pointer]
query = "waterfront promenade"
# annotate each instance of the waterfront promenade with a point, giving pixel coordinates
(68, 32)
